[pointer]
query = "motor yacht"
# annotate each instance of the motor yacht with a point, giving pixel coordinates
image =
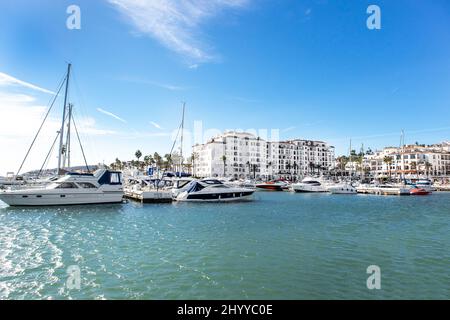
(210, 190)
(309, 185)
(272, 186)
(425, 184)
(103, 186)
(342, 188)
(180, 185)
(416, 191)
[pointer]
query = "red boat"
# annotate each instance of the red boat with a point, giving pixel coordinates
(272, 186)
(419, 192)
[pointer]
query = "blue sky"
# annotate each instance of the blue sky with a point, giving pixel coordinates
(311, 69)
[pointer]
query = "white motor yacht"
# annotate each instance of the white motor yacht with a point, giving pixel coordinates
(211, 190)
(103, 186)
(308, 185)
(180, 185)
(342, 188)
(425, 184)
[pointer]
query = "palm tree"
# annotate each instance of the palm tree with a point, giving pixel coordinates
(342, 163)
(194, 156)
(295, 170)
(288, 168)
(224, 159)
(414, 166)
(168, 161)
(428, 166)
(148, 161)
(388, 160)
(138, 155)
(118, 164)
(158, 159)
(359, 161)
(311, 167)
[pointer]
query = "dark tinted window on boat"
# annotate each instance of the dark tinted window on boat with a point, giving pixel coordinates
(67, 185)
(86, 185)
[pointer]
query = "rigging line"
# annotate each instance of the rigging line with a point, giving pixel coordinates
(173, 145)
(42, 124)
(171, 150)
(81, 146)
(84, 114)
(48, 155)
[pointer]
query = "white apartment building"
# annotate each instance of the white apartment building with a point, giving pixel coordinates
(249, 156)
(410, 161)
(294, 159)
(245, 156)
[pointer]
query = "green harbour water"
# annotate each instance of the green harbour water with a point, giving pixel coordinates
(280, 246)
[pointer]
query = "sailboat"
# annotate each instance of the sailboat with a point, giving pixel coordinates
(102, 186)
(344, 187)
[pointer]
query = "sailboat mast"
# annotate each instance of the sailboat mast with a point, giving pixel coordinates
(61, 133)
(68, 141)
(402, 145)
(350, 159)
(182, 132)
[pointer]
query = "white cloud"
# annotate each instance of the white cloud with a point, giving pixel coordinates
(176, 24)
(166, 86)
(7, 80)
(289, 129)
(156, 125)
(112, 115)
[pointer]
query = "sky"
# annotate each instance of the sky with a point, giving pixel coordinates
(310, 69)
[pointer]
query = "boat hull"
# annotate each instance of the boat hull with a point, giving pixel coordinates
(308, 189)
(214, 197)
(419, 192)
(270, 187)
(60, 199)
(342, 190)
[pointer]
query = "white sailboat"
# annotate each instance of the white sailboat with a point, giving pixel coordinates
(103, 186)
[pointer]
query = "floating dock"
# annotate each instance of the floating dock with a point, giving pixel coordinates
(391, 191)
(154, 196)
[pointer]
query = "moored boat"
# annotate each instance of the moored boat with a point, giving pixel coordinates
(103, 186)
(425, 184)
(210, 190)
(342, 188)
(272, 186)
(308, 185)
(419, 192)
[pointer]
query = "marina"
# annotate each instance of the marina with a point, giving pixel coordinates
(282, 245)
(224, 150)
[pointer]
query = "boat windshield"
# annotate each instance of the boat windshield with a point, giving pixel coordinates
(211, 181)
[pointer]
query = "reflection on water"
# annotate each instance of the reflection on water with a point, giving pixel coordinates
(282, 245)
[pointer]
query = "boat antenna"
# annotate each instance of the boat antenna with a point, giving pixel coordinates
(61, 137)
